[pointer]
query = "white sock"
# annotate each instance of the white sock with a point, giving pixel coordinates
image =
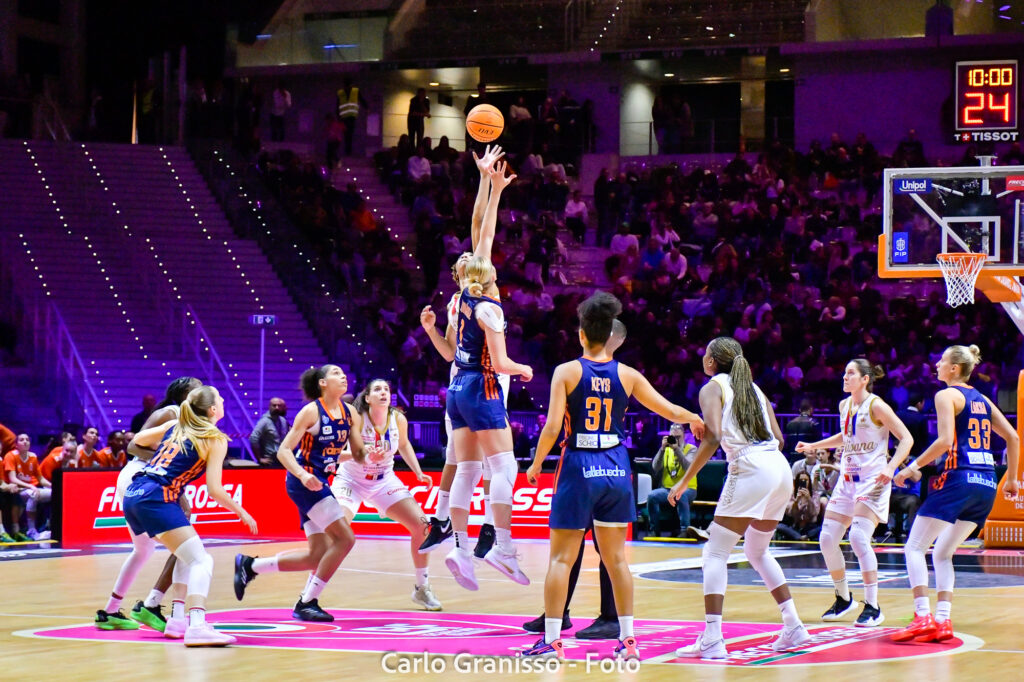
(712, 627)
(154, 598)
(488, 515)
(552, 629)
(442, 506)
(871, 594)
(196, 617)
(789, 615)
(421, 577)
(503, 539)
(625, 627)
(842, 589)
(177, 609)
(921, 607)
(313, 589)
(942, 610)
(265, 564)
(113, 604)
(462, 540)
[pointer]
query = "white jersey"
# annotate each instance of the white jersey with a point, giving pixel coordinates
(504, 380)
(865, 442)
(386, 439)
(733, 439)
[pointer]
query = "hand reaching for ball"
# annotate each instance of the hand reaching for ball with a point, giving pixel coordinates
(490, 157)
(498, 179)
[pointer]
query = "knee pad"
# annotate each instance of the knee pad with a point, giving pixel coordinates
(860, 539)
(755, 548)
(449, 453)
(831, 533)
(715, 556)
(503, 477)
(466, 476)
(143, 546)
(488, 472)
(199, 564)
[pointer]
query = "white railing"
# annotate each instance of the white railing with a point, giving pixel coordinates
(63, 366)
(213, 371)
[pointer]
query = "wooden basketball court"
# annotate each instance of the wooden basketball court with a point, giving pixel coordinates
(46, 594)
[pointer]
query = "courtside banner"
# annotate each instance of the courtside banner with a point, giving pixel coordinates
(91, 515)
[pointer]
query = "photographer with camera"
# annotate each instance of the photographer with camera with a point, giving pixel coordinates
(674, 456)
(801, 520)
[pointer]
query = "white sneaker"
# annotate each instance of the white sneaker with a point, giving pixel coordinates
(704, 649)
(424, 596)
(175, 628)
(205, 635)
(791, 638)
(460, 563)
(45, 535)
(507, 564)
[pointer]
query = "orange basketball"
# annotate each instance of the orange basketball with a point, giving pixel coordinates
(484, 123)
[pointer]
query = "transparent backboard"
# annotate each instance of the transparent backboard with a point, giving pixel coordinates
(928, 211)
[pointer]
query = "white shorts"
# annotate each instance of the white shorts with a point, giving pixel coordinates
(848, 493)
(759, 486)
(351, 491)
(124, 478)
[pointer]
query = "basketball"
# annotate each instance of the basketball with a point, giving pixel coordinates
(485, 123)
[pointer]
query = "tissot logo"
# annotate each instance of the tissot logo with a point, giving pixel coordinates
(912, 186)
(987, 136)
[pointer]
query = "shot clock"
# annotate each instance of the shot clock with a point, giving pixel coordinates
(986, 96)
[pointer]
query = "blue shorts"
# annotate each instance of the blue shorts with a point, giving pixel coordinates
(303, 497)
(960, 495)
(145, 509)
(476, 400)
(593, 486)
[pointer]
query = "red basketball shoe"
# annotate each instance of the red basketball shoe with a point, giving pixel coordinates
(921, 626)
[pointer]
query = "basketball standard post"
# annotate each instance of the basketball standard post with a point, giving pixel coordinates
(1005, 524)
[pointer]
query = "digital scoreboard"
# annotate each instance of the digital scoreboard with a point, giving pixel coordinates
(986, 101)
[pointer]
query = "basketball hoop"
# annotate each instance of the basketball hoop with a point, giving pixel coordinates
(961, 271)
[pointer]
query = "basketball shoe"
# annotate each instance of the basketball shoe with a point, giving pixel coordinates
(542, 649)
(921, 626)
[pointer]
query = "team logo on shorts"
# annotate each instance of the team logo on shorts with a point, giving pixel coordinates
(451, 636)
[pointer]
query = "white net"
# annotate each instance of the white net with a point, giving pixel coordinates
(961, 272)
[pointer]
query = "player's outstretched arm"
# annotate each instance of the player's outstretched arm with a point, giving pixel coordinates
(499, 181)
(484, 164)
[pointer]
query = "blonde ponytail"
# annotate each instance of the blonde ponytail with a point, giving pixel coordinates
(194, 423)
(966, 357)
(480, 276)
(746, 407)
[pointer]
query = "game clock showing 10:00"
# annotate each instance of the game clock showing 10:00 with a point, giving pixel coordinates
(986, 95)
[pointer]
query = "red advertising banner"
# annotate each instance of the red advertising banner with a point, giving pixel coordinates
(90, 515)
(1015, 183)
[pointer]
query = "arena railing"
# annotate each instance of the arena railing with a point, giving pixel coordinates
(214, 372)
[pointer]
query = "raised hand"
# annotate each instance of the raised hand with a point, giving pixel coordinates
(428, 318)
(491, 155)
(498, 179)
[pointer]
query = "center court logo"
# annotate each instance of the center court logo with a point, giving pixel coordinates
(912, 186)
(478, 643)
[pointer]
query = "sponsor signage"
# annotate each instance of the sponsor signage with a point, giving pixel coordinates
(912, 185)
(91, 515)
(900, 247)
(1015, 183)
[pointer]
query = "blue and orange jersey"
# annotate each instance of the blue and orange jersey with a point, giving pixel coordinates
(972, 439)
(174, 467)
(471, 353)
(321, 446)
(595, 410)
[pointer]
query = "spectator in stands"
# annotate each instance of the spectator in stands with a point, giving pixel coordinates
(576, 216)
(269, 431)
(805, 465)
(623, 240)
(480, 97)
(521, 125)
(21, 468)
(335, 134)
(917, 423)
(115, 455)
(801, 520)
(824, 478)
(1013, 156)
(903, 504)
(675, 264)
(520, 441)
(88, 456)
(674, 457)
(418, 167)
(280, 103)
(909, 152)
(148, 404)
(802, 428)
(419, 111)
(61, 457)
(351, 105)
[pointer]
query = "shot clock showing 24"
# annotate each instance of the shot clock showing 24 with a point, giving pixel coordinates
(986, 101)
